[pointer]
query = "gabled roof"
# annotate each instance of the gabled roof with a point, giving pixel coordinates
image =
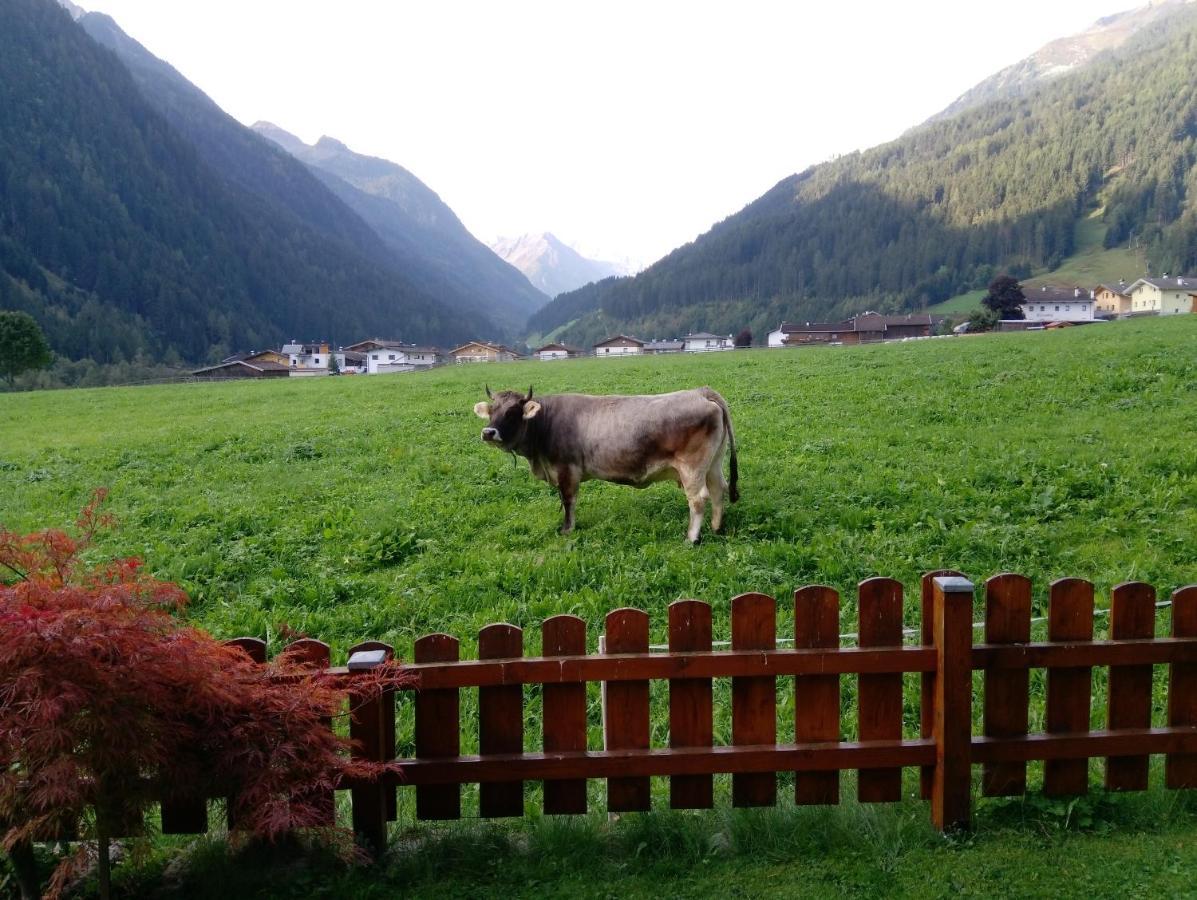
(1055, 294)
(256, 366)
(707, 336)
(375, 342)
(566, 347)
(1122, 289)
(1169, 283)
(498, 348)
(664, 345)
(621, 337)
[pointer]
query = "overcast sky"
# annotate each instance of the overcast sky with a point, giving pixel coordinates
(626, 128)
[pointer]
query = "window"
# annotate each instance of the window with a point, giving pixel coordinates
(390, 356)
(374, 356)
(317, 360)
(1057, 307)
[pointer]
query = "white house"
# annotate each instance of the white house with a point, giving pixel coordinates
(778, 338)
(1164, 296)
(704, 341)
(1055, 305)
(307, 359)
(381, 357)
(620, 345)
(550, 352)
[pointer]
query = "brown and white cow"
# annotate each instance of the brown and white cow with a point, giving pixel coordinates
(571, 438)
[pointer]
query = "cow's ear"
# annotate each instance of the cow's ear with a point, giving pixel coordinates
(531, 408)
(482, 409)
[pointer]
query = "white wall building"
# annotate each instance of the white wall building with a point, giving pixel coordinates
(1053, 305)
(704, 341)
(307, 359)
(382, 357)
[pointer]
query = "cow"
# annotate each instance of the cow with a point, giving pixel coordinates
(632, 440)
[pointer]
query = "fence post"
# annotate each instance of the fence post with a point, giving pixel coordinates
(368, 727)
(951, 787)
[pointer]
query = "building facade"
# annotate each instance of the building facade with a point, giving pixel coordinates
(619, 345)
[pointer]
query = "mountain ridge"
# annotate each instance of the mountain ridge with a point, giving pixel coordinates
(552, 265)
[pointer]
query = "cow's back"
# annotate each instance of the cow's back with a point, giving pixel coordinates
(627, 438)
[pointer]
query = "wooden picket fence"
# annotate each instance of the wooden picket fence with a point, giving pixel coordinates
(945, 751)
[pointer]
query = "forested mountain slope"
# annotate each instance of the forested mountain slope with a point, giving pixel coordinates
(942, 209)
(421, 232)
(122, 240)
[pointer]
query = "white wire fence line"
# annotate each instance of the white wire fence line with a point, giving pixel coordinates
(853, 635)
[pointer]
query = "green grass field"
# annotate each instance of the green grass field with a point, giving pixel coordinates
(353, 508)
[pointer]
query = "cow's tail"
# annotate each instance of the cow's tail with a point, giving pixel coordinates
(733, 490)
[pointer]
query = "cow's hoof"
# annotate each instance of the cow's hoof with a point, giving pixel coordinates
(563, 531)
(694, 542)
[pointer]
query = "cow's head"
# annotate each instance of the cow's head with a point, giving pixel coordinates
(507, 414)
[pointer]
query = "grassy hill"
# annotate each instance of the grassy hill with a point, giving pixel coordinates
(352, 508)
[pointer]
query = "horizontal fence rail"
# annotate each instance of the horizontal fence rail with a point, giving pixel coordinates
(945, 660)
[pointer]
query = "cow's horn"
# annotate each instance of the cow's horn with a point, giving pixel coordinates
(489, 395)
(529, 397)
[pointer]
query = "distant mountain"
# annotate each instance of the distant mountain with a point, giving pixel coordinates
(552, 266)
(417, 226)
(1002, 186)
(1061, 56)
(128, 229)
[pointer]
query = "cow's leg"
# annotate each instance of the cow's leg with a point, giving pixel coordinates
(696, 495)
(715, 487)
(567, 486)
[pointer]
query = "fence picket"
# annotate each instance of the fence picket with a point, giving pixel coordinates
(1180, 769)
(317, 655)
(438, 729)
(879, 697)
(1007, 696)
(690, 720)
(816, 697)
(754, 698)
(255, 649)
(627, 710)
(564, 713)
(1069, 689)
(1132, 615)
(501, 721)
(927, 689)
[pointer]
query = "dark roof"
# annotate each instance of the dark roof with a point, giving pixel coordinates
(1172, 282)
(665, 345)
(258, 366)
(1119, 289)
(377, 342)
(1055, 294)
(566, 347)
(497, 347)
(707, 336)
(621, 337)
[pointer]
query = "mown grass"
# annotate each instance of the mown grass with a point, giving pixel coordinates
(354, 508)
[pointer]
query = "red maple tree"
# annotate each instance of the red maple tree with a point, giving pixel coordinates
(109, 703)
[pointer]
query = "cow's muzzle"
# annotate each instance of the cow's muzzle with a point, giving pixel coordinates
(490, 434)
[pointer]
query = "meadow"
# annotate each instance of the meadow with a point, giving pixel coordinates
(352, 508)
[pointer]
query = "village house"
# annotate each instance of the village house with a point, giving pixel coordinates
(307, 359)
(864, 328)
(482, 352)
(620, 345)
(1112, 300)
(1049, 304)
(550, 352)
(705, 341)
(1163, 296)
(260, 364)
(652, 347)
(381, 357)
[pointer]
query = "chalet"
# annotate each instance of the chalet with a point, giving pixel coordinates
(481, 352)
(652, 347)
(1049, 304)
(864, 328)
(1112, 300)
(1164, 296)
(620, 345)
(243, 368)
(705, 341)
(307, 359)
(549, 352)
(381, 357)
